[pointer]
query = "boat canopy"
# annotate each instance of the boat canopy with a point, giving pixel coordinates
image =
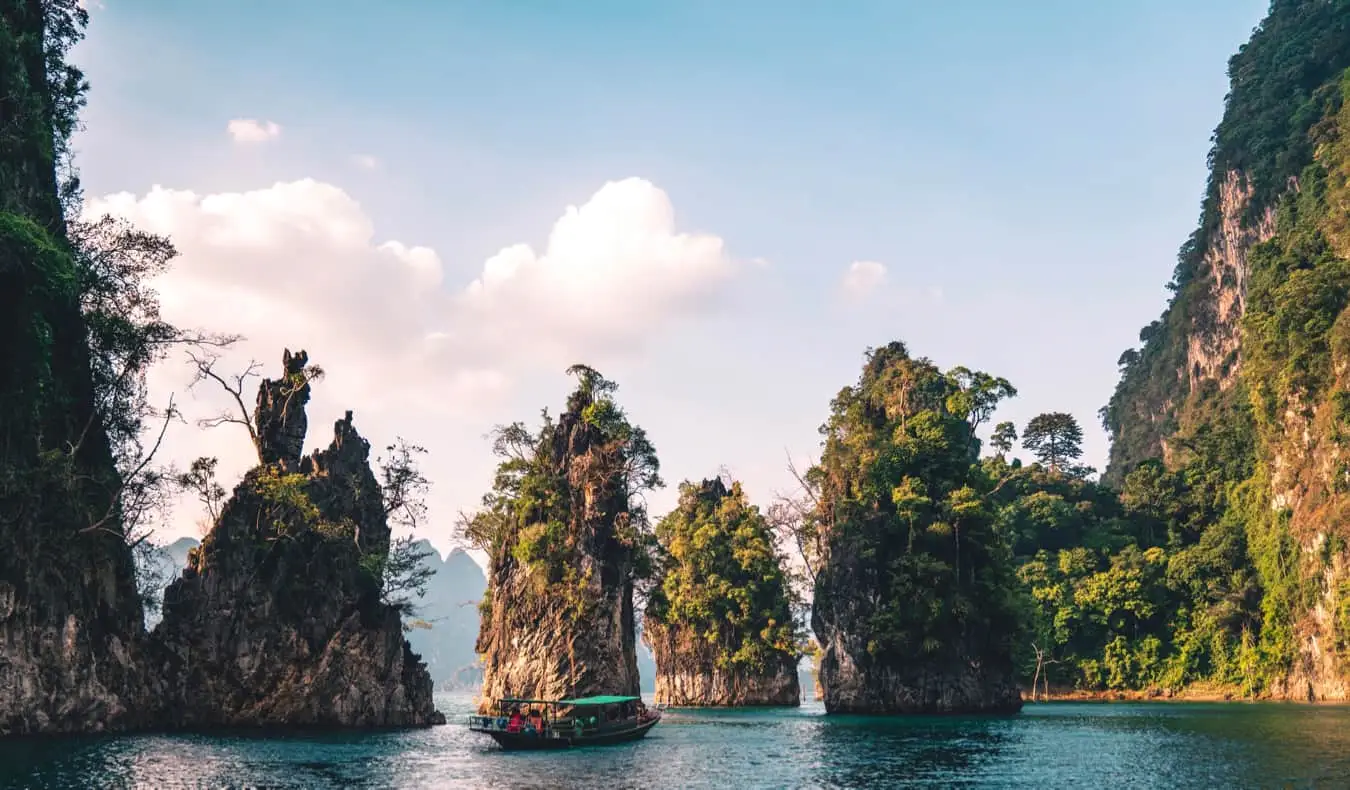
(601, 700)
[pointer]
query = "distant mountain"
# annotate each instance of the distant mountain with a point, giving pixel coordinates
(159, 567)
(646, 665)
(450, 607)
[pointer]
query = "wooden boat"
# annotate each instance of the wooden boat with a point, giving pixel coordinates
(560, 724)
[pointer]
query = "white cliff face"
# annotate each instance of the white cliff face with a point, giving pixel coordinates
(1213, 348)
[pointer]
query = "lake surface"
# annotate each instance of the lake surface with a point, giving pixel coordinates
(1117, 745)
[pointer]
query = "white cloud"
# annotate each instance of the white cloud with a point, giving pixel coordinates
(366, 162)
(248, 130)
(297, 265)
(613, 269)
(862, 279)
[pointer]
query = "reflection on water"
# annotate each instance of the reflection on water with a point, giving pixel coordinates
(1157, 745)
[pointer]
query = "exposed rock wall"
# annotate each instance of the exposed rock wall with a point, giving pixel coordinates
(278, 621)
(687, 676)
(71, 628)
(558, 619)
(851, 681)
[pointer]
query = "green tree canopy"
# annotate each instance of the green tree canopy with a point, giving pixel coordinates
(1055, 438)
(913, 558)
(722, 583)
(1004, 437)
(573, 485)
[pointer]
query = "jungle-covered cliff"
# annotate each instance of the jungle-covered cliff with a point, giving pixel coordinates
(719, 619)
(1230, 422)
(567, 537)
(72, 637)
(912, 606)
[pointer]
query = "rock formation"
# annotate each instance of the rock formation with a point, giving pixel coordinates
(720, 620)
(565, 537)
(1238, 390)
(278, 620)
(911, 600)
(71, 629)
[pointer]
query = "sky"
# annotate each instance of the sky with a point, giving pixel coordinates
(719, 205)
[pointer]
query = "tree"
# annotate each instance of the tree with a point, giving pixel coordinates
(912, 564)
(1054, 438)
(1005, 436)
(977, 394)
(200, 479)
(403, 485)
(404, 575)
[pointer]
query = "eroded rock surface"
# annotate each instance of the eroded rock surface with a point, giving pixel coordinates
(278, 620)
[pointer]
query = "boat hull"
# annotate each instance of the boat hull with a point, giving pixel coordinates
(524, 742)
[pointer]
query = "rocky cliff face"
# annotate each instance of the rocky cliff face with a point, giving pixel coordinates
(564, 535)
(851, 681)
(1256, 335)
(277, 620)
(976, 675)
(687, 675)
(71, 631)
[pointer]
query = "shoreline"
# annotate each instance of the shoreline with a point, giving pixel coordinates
(1197, 693)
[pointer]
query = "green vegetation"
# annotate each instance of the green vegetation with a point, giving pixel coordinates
(569, 489)
(1244, 517)
(912, 559)
(721, 587)
(1055, 439)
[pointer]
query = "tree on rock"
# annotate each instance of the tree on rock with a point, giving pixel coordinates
(720, 619)
(1004, 437)
(566, 531)
(1055, 438)
(912, 603)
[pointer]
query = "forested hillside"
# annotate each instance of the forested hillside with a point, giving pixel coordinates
(1229, 421)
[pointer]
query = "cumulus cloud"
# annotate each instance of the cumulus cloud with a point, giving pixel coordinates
(248, 130)
(612, 270)
(862, 279)
(298, 265)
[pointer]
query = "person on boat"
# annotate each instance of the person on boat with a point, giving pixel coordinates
(516, 721)
(537, 720)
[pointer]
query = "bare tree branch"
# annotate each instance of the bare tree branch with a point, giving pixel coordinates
(234, 387)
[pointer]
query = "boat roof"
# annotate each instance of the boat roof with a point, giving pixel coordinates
(600, 700)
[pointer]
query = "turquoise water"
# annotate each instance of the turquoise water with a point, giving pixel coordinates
(1117, 745)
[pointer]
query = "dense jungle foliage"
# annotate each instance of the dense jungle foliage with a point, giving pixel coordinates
(721, 589)
(1234, 539)
(571, 488)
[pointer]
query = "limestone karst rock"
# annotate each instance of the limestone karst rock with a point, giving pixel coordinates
(71, 627)
(278, 620)
(719, 620)
(565, 538)
(911, 609)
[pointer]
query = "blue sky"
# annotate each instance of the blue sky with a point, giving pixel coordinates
(1025, 173)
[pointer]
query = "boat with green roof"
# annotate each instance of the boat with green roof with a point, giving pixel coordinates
(560, 724)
